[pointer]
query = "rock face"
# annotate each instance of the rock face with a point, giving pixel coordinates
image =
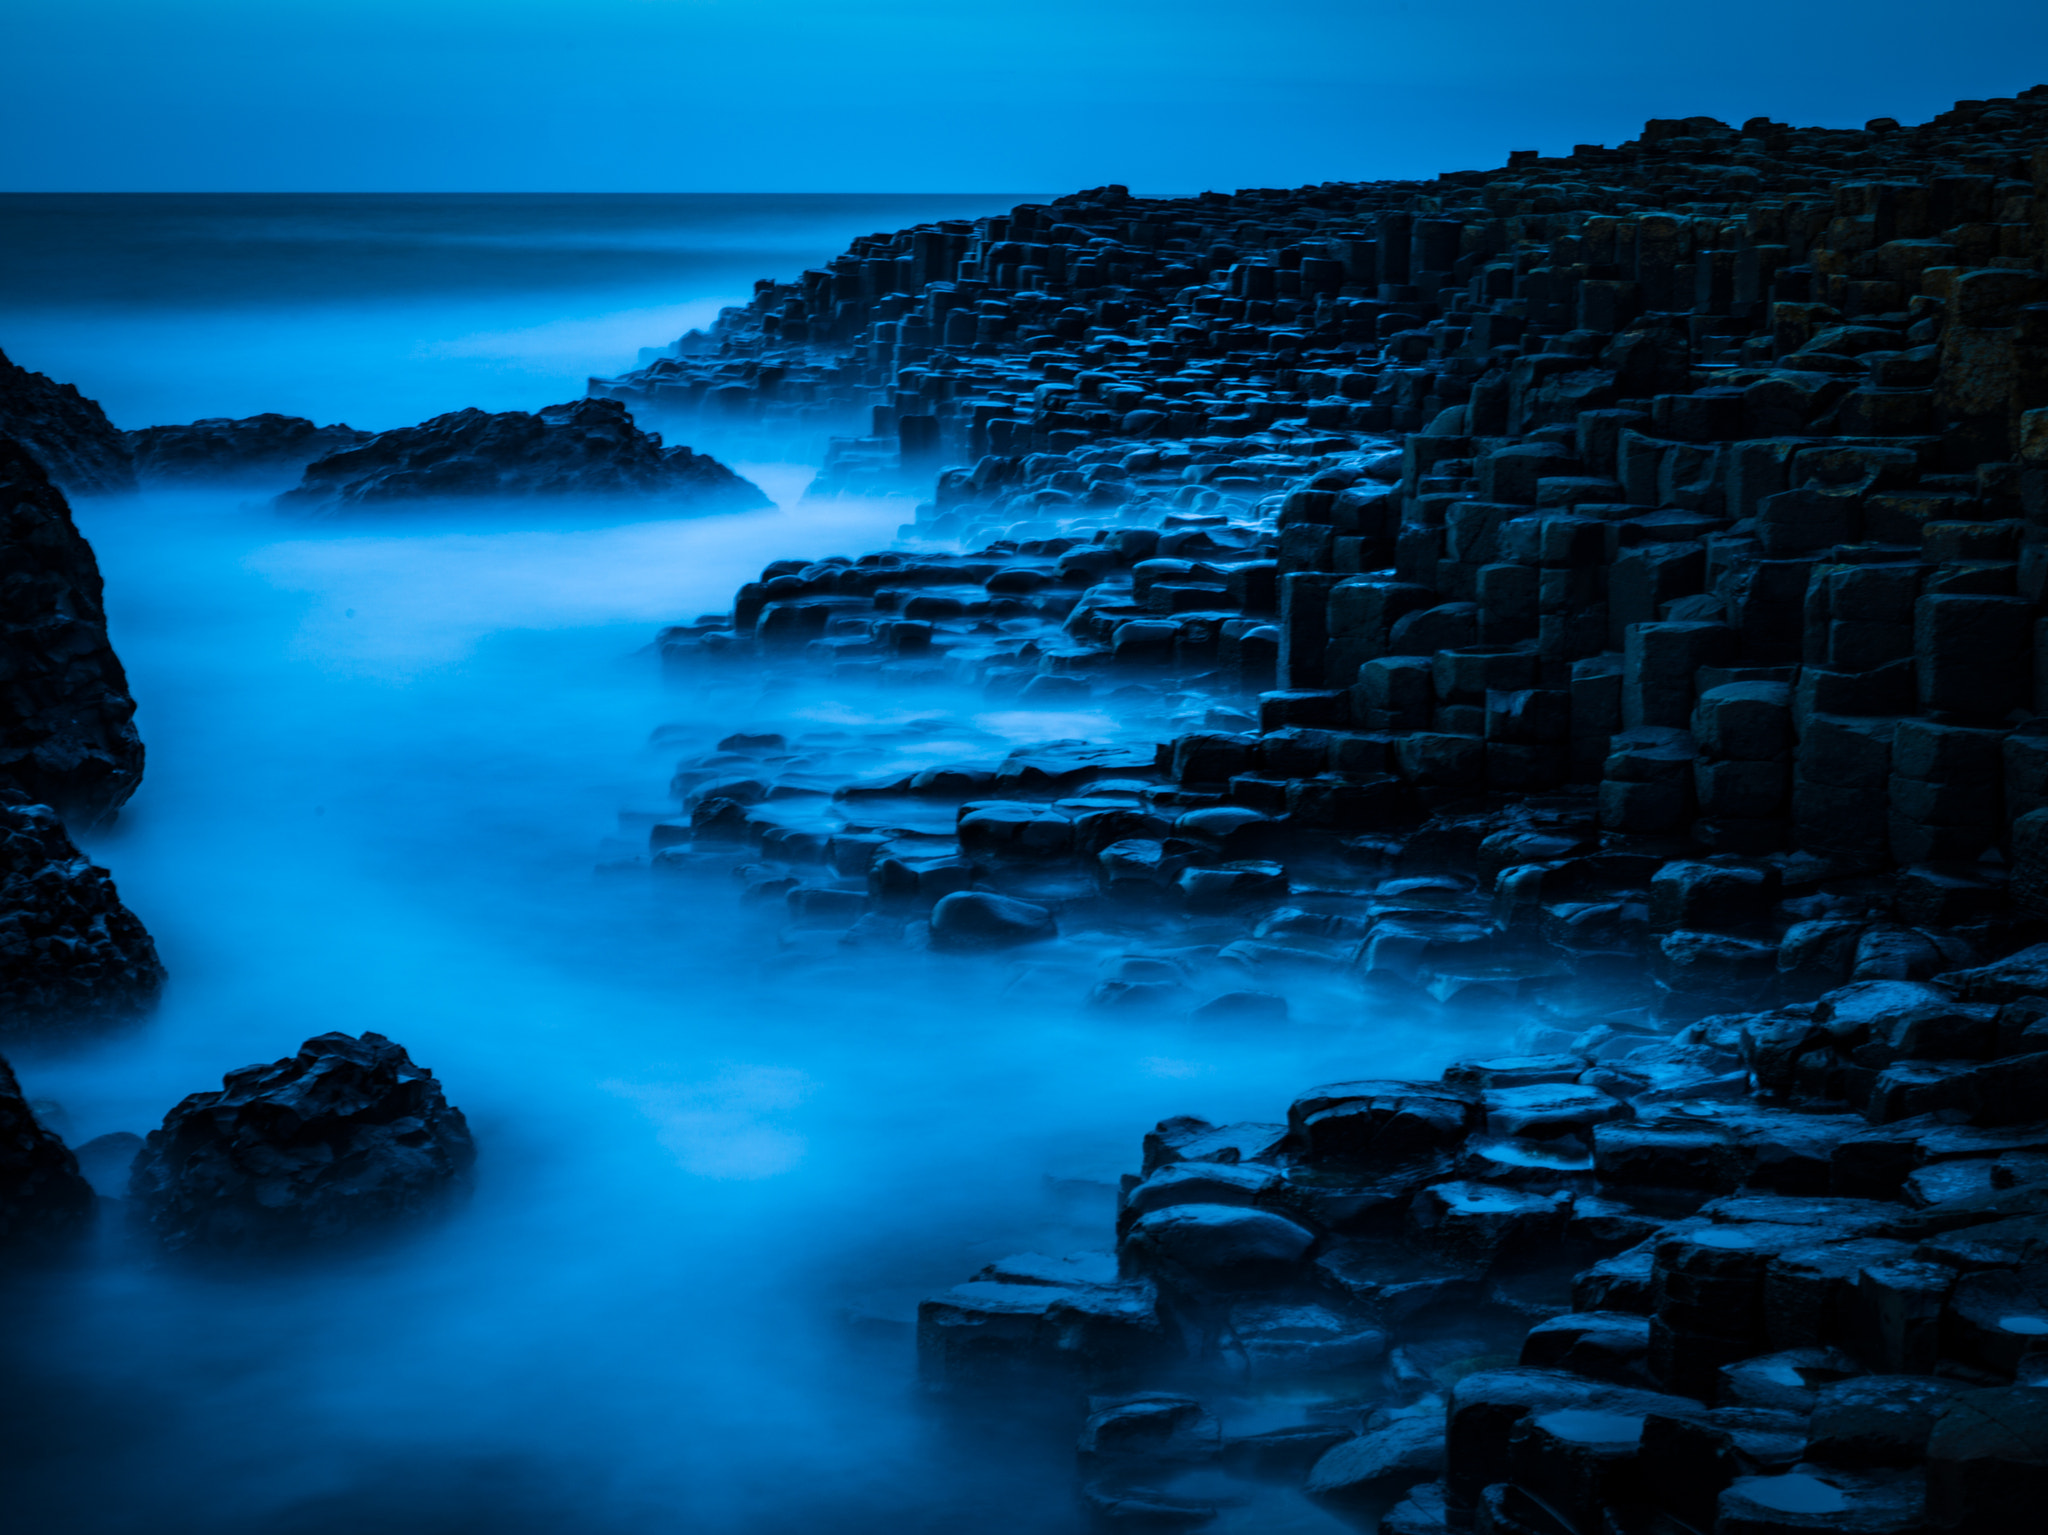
(43, 1198)
(68, 434)
(71, 955)
(346, 1137)
(67, 733)
(218, 448)
(583, 448)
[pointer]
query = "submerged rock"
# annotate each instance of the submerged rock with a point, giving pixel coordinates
(582, 448)
(43, 1198)
(71, 955)
(975, 919)
(69, 435)
(67, 732)
(344, 1137)
(222, 448)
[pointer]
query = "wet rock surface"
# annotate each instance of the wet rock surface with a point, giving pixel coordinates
(68, 434)
(1598, 594)
(44, 1201)
(220, 449)
(67, 733)
(347, 1138)
(582, 448)
(72, 957)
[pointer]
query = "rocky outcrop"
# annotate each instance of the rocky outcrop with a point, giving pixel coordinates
(220, 449)
(346, 1138)
(67, 733)
(586, 448)
(1601, 592)
(1705, 478)
(44, 1201)
(72, 957)
(68, 434)
(1772, 1264)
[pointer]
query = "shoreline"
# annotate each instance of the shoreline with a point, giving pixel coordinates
(1570, 587)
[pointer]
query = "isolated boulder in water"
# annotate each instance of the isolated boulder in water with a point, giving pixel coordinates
(583, 448)
(43, 1198)
(69, 435)
(67, 724)
(216, 448)
(345, 1137)
(71, 955)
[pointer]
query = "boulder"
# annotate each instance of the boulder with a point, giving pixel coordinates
(345, 1137)
(218, 448)
(44, 1200)
(67, 733)
(72, 957)
(2017, 975)
(1383, 1120)
(1607, 1345)
(1228, 1246)
(64, 432)
(582, 448)
(975, 919)
(1155, 1426)
(1383, 1462)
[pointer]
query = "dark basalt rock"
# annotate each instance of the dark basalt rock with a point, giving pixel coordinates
(43, 1199)
(1602, 588)
(583, 448)
(977, 920)
(71, 955)
(345, 1137)
(215, 448)
(67, 733)
(69, 435)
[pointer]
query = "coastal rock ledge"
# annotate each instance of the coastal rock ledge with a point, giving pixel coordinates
(583, 448)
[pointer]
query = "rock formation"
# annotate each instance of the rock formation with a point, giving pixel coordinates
(1693, 482)
(583, 448)
(67, 733)
(217, 448)
(72, 957)
(1604, 590)
(346, 1138)
(44, 1202)
(67, 434)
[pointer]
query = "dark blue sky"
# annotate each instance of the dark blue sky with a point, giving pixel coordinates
(885, 95)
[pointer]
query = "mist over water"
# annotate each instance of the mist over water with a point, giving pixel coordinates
(395, 766)
(383, 309)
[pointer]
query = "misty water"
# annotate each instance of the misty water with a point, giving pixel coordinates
(398, 774)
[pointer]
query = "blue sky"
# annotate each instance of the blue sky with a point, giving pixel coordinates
(915, 95)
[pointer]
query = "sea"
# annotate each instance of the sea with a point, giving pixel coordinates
(401, 771)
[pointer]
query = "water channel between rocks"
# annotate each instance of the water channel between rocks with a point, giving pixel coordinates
(387, 766)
